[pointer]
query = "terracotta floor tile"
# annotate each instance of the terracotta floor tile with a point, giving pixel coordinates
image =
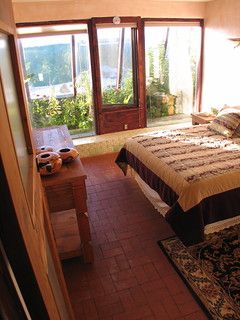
(122, 262)
(153, 285)
(134, 314)
(199, 315)
(140, 274)
(110, 245)
(108, 284)
(131, 277)
(106, 299)
(128, 245)
(158, 310)
(82, 294)
(138, 296)
(90, 310)
(189, 307)
(182, 297)
(156, 295)
(78, 307)
(111, 265)
(163, 267)
(127, 300)
(123, 275)
(171, 307)
(96, 288)
(105, 318)
(145, 273)
(139, 260)
(125, 284)
(110, 310)
(111, 236)
(174, 284)
(112, 252)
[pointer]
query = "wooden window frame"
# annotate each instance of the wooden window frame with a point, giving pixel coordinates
(67, 22)
(72, 43)
(96, 67)
(73, 62)
(138, 49)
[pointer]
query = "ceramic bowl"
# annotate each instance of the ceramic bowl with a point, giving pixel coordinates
(44, 149)
(68, 154)
(48, 163)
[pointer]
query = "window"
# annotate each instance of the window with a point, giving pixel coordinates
(115, 89)
(117, 61)
(58, 79)
(48, 66)
(172, 53)
(83, 67)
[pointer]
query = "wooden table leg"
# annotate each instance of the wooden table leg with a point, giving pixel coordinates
(79, 194)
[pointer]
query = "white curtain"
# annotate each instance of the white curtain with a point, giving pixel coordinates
(180, 73)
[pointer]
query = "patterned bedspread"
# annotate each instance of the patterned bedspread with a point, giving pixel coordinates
(194, 170)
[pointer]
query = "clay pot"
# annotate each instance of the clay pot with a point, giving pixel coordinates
(44, 149)
(68, 154)
(48, 163)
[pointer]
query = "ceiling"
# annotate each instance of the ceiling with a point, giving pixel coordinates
(77, 0)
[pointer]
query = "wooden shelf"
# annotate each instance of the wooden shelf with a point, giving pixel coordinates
(66, 234)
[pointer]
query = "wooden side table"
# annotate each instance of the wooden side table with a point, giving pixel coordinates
(202, 118)
(66, 196)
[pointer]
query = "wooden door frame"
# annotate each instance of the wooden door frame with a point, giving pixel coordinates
(15, 246)
(96, 76)
(35, 286)
(20, 89)
(12, 305)
(15, 249)
(19, 84)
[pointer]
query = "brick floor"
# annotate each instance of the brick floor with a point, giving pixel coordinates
(130, 278)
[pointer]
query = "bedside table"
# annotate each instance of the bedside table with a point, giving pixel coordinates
(202, 118)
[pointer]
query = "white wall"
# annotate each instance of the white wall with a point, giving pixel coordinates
(82, 9)
(221, 60)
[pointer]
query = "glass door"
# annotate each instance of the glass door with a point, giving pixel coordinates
(117, 66)
(172, 54)
(117, 79)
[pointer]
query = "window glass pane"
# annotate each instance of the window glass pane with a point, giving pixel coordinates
(84, 81)
(116, 65)
(83, 66)
(48, 68)
(53, 98)
(172, 56)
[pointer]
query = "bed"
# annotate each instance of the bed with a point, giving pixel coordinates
(194, 170)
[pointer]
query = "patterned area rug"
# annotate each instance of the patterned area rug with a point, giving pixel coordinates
(211, 270)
